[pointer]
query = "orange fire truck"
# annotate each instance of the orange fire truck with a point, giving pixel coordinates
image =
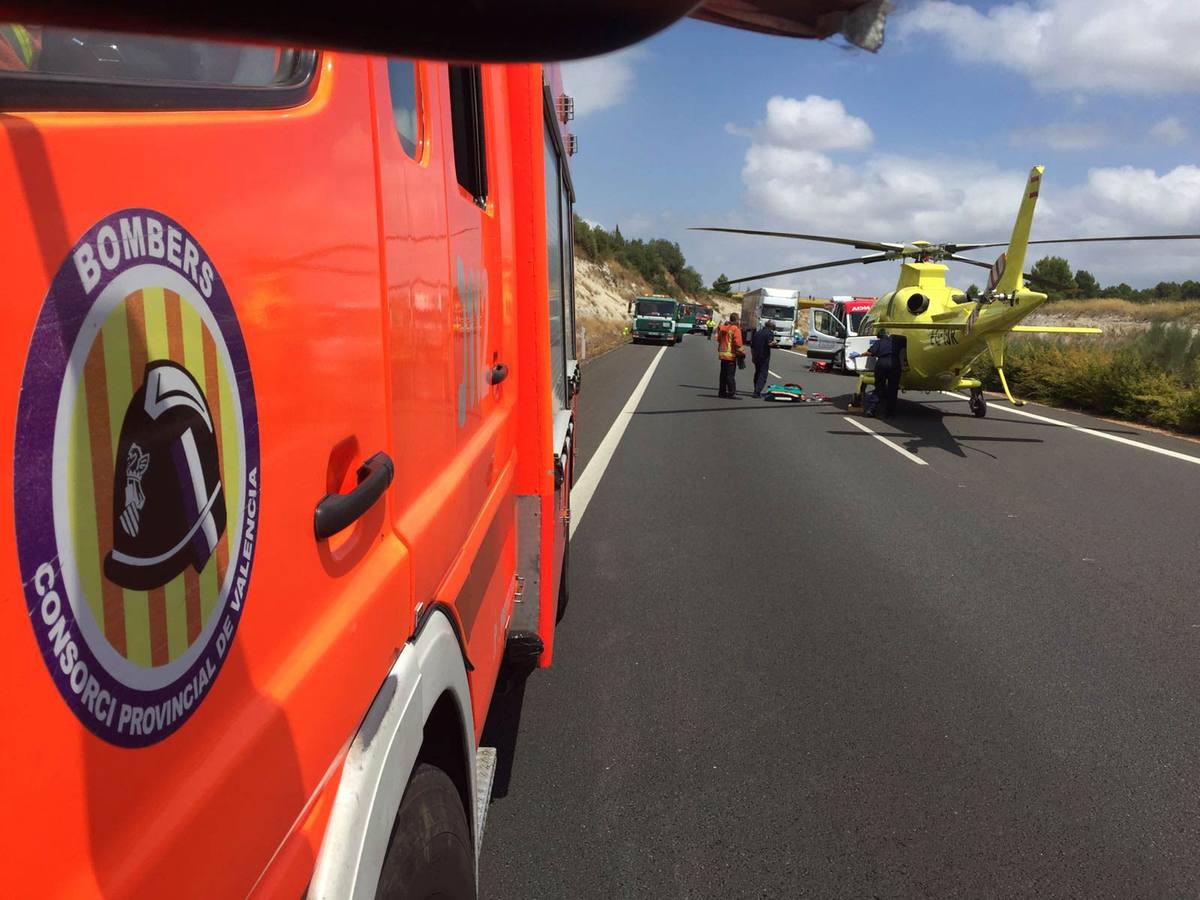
(288, 348)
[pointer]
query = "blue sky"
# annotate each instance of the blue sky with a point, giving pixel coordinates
(930, 138)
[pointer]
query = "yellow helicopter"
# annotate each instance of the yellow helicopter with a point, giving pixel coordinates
(945, 330)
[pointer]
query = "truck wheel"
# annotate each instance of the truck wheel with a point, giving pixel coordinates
(429, 853)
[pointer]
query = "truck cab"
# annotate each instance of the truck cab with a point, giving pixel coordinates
(685, 319)
(771, 305)
(654, 320)
(831, 326)
(292, 463)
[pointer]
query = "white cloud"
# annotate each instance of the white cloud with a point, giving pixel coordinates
(602, 81)
(891, 197)
(1064, 136)
(1170, 131)
(1112, 45)
(814, 123)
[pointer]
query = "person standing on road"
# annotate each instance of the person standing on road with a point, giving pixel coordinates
(729, 348)
(760, 353)
(889, 352)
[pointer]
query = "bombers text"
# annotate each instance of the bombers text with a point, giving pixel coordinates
(141, 237)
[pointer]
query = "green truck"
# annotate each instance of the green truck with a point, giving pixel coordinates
(685, 319)
(655, 319)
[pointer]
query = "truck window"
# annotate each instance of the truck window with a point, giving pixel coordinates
(772, 311)
(655, 308)
(827, 323)
(466, 114)
(65, 68)
(554, 274)
(406, 107)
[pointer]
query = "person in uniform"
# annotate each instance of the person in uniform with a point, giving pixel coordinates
(760, 354)
(729, 348)
(890, 352)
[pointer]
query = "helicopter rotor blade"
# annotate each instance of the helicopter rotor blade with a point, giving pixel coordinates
(969, 262)
(1088, 240)
(1032, 279)
(848, 242)
(881, 257)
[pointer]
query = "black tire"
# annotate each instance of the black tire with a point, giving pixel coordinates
(429, 853)
(564, 584)
(978, 405)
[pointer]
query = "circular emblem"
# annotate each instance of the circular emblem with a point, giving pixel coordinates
(136, 481)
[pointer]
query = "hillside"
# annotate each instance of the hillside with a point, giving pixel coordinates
(602, 294)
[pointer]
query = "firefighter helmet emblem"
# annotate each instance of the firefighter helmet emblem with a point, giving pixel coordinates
(168, 505)
(136, 477)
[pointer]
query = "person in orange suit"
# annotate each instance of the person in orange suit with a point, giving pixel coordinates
(729, 349)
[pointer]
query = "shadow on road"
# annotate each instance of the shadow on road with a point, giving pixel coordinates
(916, 427)
(502, 726)
(739, 404)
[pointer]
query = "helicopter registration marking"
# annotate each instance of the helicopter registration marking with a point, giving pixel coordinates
(943, 338)
(912, 457)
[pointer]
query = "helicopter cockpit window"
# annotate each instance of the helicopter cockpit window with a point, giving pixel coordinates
(66, 68)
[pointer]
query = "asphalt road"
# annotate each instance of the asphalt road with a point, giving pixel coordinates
(798, 663)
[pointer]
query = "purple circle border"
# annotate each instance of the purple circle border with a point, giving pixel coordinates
(63, 312)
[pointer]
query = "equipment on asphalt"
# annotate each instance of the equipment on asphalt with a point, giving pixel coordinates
(792, 393)
(946, 330)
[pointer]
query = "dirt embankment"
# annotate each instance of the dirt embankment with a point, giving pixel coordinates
(1117, 317)
(602, 295)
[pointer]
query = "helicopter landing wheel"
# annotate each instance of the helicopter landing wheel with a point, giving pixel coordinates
(978, 404)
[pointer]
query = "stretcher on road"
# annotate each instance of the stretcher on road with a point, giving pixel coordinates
(792, 393)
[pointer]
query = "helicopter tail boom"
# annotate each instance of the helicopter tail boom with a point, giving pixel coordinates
(1010, 278)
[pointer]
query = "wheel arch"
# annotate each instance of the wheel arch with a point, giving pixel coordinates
(422, 713)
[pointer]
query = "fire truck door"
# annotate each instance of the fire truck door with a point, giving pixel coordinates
(449, 344)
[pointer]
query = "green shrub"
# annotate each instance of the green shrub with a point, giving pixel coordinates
(1153, 377)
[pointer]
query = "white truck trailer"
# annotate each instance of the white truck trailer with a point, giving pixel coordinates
(774, 304)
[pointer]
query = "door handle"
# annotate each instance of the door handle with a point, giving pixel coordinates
(498, 374)
(336, 512)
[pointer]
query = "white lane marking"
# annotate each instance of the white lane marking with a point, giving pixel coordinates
(879, 437)
(589, 479)
(1174, 454)
(774, 374)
